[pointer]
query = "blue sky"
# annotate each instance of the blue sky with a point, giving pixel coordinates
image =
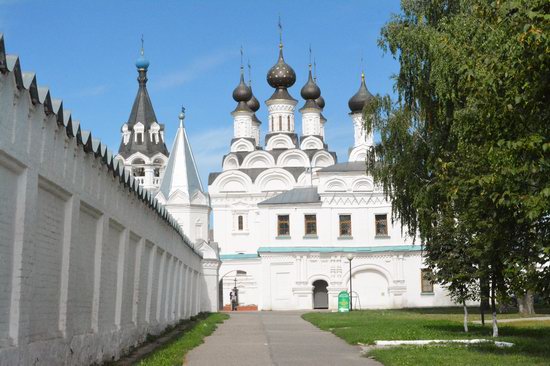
(85, 52)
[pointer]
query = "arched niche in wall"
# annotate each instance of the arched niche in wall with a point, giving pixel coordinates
(231, 181)
(275, 180)
(371, 286)
(311, 143)
(279, 142)
(259, 159)
(230, 162)
(322, 159)
(358, 154)
(362, 185)
(335, 185)
(293, 158)
(242, 145)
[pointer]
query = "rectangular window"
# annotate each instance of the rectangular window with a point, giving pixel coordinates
(283, 225)
(310, 224)
(426, 283)
(381, 222)
(240, 224)
(345, 225)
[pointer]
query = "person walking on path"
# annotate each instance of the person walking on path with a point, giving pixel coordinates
(233, 300)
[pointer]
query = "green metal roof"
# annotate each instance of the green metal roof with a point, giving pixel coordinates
(387, 248)
(237, 256)
(380, 249)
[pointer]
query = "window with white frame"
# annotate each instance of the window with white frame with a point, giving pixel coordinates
(138, 133)
(381, 223)
(345, 225)
(125, 134)
(283, 225)
(154, 133)
(427, 286)
(310, 223)
(240, 222)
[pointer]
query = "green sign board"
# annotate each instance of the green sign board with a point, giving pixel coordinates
(343, 302)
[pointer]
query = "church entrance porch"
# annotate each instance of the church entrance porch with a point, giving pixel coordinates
(320, 294)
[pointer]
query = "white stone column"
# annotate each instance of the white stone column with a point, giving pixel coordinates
(210, 279)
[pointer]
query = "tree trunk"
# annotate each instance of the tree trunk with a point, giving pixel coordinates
(494, 309)
(465, 316)
(484, 299)
(526, 303)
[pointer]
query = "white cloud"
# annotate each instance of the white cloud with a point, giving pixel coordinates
(195, 69)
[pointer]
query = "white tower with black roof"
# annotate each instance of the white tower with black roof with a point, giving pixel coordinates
(142, 147)
(281, 104)
(362, 140)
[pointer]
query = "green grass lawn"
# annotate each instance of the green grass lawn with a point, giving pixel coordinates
(531, 339)
(174, 352)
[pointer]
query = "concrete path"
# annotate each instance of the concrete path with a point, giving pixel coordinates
(489, 319)
(274, 338)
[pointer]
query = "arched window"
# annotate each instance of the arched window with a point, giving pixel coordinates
(288, 123)
(240, 224)
(137, 167)
(158, 163)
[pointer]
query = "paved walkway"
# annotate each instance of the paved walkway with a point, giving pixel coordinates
(274, 338)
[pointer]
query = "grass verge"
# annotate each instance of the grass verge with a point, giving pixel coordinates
(174, 352)
(531, 338)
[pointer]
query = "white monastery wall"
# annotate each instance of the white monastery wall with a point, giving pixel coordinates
(90, 263)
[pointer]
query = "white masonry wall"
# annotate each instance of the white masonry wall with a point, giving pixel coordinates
(89, 263)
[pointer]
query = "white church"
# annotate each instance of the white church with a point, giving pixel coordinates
(291, 225)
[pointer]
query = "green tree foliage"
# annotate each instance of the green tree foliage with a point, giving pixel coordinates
(464, 152)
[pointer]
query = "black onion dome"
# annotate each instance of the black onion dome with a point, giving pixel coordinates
(242, 92)
(358, 101)
(253, 103)
(320, 102)
(310, 90)
(281, 75)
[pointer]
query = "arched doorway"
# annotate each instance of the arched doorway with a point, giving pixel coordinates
(320, 294)
(370, 290)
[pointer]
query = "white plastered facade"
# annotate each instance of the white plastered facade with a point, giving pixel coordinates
(275, 272)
